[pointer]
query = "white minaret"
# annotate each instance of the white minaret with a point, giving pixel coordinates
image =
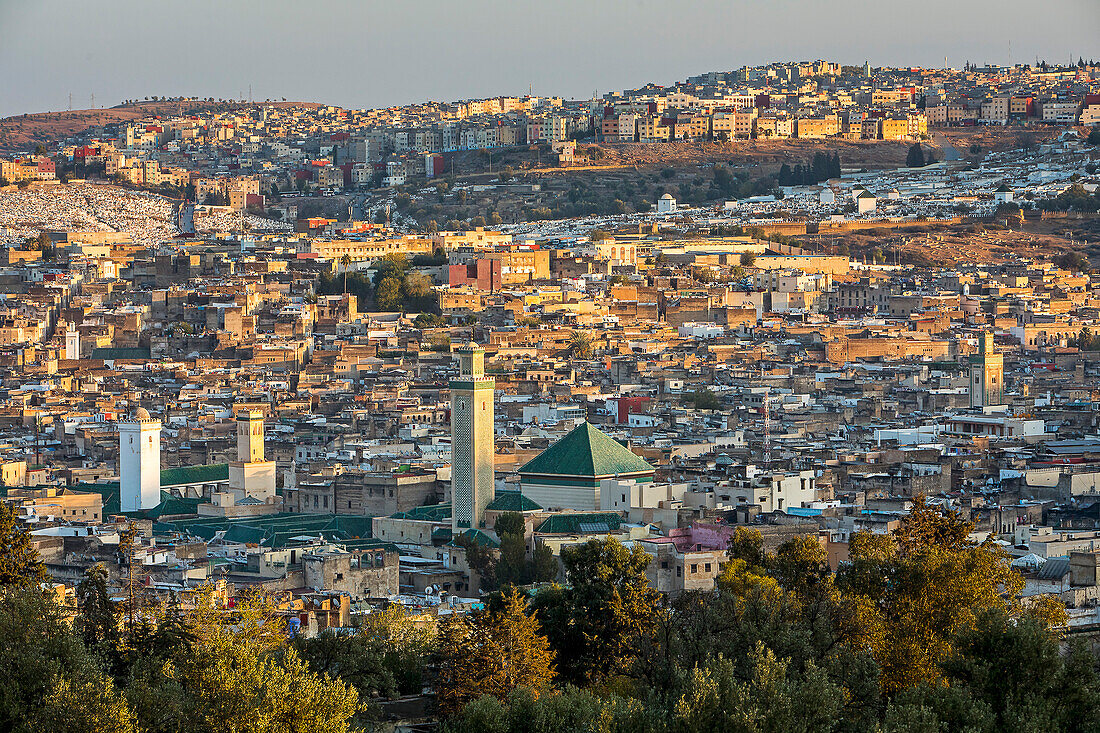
(72, 343)
(139, 461)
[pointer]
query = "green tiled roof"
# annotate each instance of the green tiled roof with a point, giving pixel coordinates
(108, 353)
(371, 545)
(429, 513)
(586, 452)
(194, 474)
(171, 505)
(112, 500)
(350, 526)
(581, 523)
(512, 501)
(244, 533)
(109, 490)
(479, 538)
(273, 530)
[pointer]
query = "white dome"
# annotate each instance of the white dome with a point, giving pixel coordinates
(142, 414)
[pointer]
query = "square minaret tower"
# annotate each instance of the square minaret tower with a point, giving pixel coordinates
(472, 440)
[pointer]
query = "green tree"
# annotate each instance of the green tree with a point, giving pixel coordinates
(345, 263)
(429, 320)
(87, 706)
(774, 698)
(512, 567)
(915, 157)
(492, 652)
(386, 657)
(603, 614)
(98, 616)
(38, 649)
(392, 265)
(748, 259)
(801, 563)
(388, 294)
(230, 689)
(509, 523)
(569, 711)
(482, 561)
(1074, 262)
(238, 676)
(417, 286)
(911, 595)
(704, 399)
(544, 566)
(747, 544)
(20, 565)
(580, 345)
(1014, 667)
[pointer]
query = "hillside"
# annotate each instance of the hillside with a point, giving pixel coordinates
(23, 132)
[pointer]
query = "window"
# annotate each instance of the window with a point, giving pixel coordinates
(694, 568)
(664, 565)
(679, 571)
(706, 567)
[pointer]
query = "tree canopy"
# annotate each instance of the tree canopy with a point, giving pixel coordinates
(19, 561)
(492, 652)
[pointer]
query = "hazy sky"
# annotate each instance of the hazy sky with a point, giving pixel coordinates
(368, 53)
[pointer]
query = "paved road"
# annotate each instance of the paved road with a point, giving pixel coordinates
(949, 151)
(187, 218)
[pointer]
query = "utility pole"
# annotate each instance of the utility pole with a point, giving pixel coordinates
(126, 545)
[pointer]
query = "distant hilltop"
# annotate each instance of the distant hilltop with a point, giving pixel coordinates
(23, 132)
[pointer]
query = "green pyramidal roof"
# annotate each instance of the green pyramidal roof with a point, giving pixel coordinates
(586, 452)
(512, 501)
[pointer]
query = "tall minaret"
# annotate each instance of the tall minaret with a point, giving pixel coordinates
(472, 440)
(72, 343)
(987, 374)
(250, 475)
(250, 436)
(139, 461)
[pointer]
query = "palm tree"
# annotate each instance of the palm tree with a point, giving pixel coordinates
(345, 262)
(580, 345)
